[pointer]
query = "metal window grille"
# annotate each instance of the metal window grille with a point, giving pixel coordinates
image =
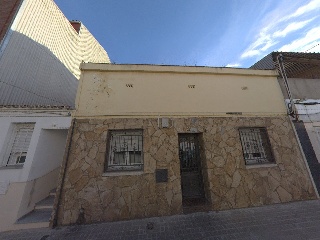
(256, 146)
(125, 150)
(189, 153)
(20, 142)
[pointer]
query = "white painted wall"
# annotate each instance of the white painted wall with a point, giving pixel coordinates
(36, 154)
(308, 113)
(10, 203)
(36, 190)
(49, 152)
(21, 189)
(21, 198)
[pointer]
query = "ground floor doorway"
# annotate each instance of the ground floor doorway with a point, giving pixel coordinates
(192, 186)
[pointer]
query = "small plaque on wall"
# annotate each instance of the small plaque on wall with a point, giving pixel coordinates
(161, 175)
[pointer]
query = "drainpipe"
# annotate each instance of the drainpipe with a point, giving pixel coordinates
(56, 207)
(291, 107)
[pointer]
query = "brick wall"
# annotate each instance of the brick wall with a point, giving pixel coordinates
(7, 12)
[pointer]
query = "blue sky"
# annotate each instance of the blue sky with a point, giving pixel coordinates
(229, 33)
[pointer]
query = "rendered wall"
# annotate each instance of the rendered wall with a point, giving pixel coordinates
(229, 182)
(113, 90)
(21, 188)
(41, 54)
(53, 30)
(305, 89)
(30, 169)
(20, 198)
(36, 190)
(10, 203)
(302, 88)
(309, 139)
(49, 151)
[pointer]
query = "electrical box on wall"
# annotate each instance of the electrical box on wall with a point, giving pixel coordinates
(165, 122)
(161, 175)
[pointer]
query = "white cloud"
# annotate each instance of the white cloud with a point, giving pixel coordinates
(250, 53)
(275, 25)
(263, 43)
(268, 45)
(233, 65)
(291, 28)
(311, 6)
(301, 44)
(279, 27)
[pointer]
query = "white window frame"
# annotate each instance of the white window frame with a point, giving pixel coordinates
(125, 142)
(256, 146)
(18, 147)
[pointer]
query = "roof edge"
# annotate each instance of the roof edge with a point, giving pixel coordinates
(174, 69)
(37, 107)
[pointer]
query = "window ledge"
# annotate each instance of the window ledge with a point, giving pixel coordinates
(11, 167)
(122, 173)
(267, 165)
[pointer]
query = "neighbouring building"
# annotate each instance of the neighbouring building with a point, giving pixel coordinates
(152, 140)
(40, 54)
(303, 77)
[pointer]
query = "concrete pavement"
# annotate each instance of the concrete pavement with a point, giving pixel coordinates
(290, 221)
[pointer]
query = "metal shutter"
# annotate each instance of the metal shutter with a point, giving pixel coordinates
(20, 143)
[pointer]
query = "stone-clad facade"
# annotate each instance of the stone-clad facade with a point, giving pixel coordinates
(228, 182)
(232, 121)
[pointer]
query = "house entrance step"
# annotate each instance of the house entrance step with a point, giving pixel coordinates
(36, 216)
(53, 192)
(40, 216)
(46, 203)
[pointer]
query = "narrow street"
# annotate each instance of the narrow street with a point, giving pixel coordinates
(297, 220)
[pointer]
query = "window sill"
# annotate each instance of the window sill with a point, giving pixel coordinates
(266, 165)
(11, 167)
(122, 173)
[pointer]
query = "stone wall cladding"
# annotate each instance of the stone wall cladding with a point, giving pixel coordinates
(229, 183)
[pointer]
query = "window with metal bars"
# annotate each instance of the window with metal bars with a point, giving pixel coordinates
(256, 146)
(125, 150)
(19, 143)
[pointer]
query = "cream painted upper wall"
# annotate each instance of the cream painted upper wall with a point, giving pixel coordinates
(164, 90)
(54, 31)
